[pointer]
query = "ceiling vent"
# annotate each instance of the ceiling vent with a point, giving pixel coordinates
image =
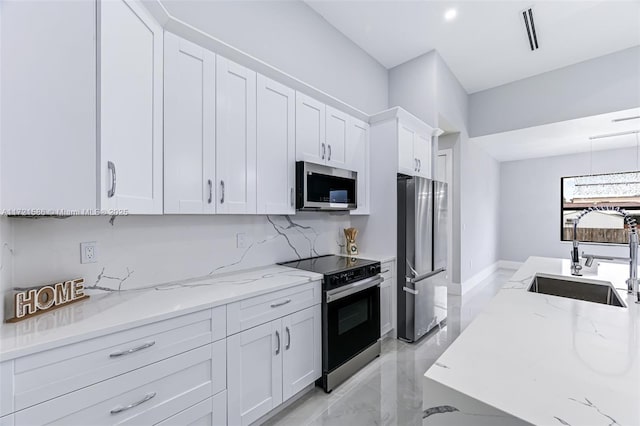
(527, 15)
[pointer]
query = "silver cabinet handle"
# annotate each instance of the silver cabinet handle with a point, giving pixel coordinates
(132, 350)
(146, 398)
(210, 191)
(329, 158)
(323, 151)
(415, 168)
(222, 192)
(275, 305)
(278, 339)
(112, 168)
(288, 345)
(419, 164)
(292, 196)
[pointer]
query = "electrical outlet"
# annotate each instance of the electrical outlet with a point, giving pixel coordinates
(241, 240)
(89, 252)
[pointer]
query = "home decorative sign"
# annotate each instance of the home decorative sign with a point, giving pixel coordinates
(29, 303)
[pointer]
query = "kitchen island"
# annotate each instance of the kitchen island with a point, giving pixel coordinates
(532, 358)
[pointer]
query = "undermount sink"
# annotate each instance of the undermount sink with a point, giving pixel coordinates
(587, 290)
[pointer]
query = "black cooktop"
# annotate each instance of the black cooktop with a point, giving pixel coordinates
(329, 264)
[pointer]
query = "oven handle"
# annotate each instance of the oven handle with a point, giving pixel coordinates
(348, 290)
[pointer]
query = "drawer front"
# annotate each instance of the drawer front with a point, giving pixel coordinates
(254, 311)
(52, 373)
(6, 388)
(210, 412)
(144, 396)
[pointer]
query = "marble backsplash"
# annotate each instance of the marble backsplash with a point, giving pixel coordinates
(139, 251)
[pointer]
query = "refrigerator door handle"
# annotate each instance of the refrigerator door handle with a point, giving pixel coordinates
(425, 276)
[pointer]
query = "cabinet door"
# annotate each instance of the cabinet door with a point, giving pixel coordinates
(310, 130)
(48, 109)
(422, 150)
(358, 160)
(385, 308)
(302, 356)
(276, 148)
(336, 137)
(189, 127)
(130, 108)
(387, 298)
(235, 137)
(407, 163)
(254, 372)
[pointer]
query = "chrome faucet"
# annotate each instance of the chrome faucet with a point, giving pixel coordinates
(632, 282)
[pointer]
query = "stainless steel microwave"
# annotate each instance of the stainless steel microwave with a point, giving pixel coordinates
(320, 187)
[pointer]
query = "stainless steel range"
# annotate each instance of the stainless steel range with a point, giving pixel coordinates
(350, 314)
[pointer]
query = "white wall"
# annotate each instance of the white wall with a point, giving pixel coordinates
(291, 36)
(159, 249)
(530, 202)
(413, 86)
(605, 84)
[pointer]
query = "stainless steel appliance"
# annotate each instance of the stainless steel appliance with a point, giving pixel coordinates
(321, 187)
(350, 314)
(422, 256)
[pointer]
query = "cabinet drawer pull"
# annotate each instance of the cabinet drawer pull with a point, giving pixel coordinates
(210, 191)
(324, 150)
(222, 192)
(415, 166)
(329, 158)
(278, 339)
(275, 305)
(132, 350)
(288, 345)
(419, 165)
(146, 398)
(112, 168)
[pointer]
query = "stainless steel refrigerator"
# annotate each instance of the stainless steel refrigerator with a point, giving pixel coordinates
(422, 256)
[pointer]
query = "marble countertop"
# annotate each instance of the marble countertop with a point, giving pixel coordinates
(110, 312)
(550, 360)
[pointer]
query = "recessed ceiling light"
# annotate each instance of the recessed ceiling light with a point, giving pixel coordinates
(450, 15)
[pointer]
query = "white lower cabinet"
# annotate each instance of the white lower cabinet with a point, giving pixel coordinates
(302, 357)
(147, 395)
(270, 363)
(387, 298)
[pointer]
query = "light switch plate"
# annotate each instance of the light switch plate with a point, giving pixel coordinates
(89, 252)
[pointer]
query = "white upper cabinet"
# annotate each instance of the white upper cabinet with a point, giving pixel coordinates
(422, 151)
(414, 150)
(130, 93)
(407, 162)
(48, 105)
(189, 127)
(276, 148)
(358, 159)
(336, 137)
(235, 138)
(310, 129)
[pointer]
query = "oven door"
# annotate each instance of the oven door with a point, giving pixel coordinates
(352, 321)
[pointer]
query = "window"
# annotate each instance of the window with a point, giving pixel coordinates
(615, 190)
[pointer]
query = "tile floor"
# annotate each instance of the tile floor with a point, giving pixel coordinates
(388, 391)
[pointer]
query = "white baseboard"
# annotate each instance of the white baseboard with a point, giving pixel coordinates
(458, 289)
